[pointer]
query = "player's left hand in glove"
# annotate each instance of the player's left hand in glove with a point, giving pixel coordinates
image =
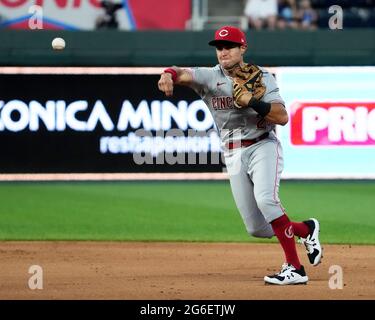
(247, 83)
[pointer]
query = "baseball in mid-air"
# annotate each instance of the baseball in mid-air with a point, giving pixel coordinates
(58, 44)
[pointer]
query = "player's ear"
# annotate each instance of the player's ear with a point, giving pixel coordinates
(243, 49)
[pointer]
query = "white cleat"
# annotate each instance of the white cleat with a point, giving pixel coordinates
(312, 243)
(288, 275)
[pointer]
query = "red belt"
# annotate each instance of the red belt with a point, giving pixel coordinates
(246, 143)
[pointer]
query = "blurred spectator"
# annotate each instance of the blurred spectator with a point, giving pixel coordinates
(307, 15)
(261, 13)
(287, 17)
(109, 19)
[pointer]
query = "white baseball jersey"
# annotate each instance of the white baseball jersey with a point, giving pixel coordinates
(215, 89)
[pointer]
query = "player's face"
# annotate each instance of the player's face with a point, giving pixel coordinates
(229, 55)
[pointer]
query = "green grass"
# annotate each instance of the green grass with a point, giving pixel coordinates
(174, 211)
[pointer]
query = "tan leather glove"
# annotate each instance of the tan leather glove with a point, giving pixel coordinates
(247, 81)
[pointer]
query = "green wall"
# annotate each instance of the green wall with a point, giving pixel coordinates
(155, 48)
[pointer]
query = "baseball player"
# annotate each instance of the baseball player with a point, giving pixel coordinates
(246, 105)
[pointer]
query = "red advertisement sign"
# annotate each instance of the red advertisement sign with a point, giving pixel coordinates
(156, 14)
(333, 123)
(84, 14)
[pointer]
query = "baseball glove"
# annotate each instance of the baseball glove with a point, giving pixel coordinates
(248, 79)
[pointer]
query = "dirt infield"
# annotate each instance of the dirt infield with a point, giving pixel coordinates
(126, 270)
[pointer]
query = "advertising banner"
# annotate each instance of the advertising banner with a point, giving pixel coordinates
(99, 120)
(94, 14)
(103, 123)
(331, 130)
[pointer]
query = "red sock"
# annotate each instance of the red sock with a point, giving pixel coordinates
(283, 229)
(300, 229)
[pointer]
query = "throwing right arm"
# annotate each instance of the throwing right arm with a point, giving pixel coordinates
(175, 75)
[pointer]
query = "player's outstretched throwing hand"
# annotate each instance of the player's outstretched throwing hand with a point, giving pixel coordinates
(165, 84)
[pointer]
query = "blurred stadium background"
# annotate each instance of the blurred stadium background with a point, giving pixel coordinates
(69, 117)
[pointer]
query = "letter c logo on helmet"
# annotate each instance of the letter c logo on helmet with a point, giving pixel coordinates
(223, 33)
